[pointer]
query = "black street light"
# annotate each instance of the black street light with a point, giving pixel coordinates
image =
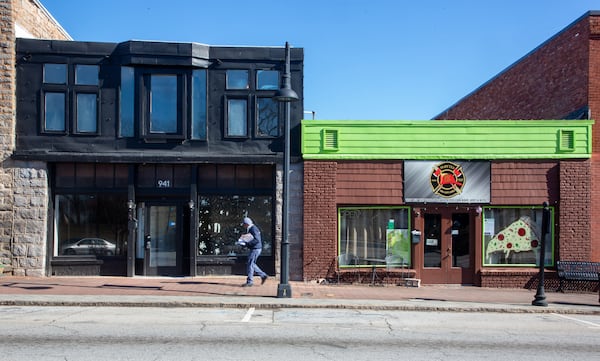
(540, 296)
(286, 95)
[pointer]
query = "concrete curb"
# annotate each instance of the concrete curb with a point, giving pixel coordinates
(275, 303)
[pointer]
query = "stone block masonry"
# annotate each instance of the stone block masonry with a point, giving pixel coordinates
(23, 186)
(23, 215)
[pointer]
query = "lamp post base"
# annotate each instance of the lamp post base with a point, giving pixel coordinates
(540, 299)
(284, 290)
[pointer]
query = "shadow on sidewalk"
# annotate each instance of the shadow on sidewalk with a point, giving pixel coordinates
(82, 286)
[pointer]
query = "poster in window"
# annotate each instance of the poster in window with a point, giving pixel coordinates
(398, 246)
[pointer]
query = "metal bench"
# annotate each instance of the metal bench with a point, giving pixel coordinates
(577, 271)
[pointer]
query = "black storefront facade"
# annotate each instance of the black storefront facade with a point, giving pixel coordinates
(154, 152)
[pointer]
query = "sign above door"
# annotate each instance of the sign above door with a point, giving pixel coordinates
(446, 182)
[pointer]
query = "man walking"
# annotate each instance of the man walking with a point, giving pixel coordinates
(253, 241)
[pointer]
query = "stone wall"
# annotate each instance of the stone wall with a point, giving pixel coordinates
(23, 186)
(36, 20)
(26, 224)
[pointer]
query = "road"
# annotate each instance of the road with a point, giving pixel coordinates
(123, 333)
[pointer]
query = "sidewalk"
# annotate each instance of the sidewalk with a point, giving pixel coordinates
(226, 292)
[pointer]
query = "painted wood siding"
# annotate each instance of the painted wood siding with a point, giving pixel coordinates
(369, 183)
(449, 139)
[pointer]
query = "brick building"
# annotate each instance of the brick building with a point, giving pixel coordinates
(22, 184)
(560, 79)
(456, 202)
(351, 191)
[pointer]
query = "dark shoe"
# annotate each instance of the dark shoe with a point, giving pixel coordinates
(247, 285)
(263, 280)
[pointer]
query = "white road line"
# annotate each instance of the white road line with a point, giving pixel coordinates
(593, 324)
(248, 315)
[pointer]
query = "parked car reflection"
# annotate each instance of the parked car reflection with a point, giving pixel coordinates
(95, 246)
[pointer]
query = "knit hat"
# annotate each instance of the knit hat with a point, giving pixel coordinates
(247, 221)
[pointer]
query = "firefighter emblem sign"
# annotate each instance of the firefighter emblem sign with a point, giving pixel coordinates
(447, 179)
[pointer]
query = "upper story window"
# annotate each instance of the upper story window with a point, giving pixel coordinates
(86, 98)
(267, 117)
(267, 80)
(55, 73)
(253, 109)
(54, 112)
(199, 99)
(61, 88)
(237, 117)
(237, 79)
(86, 74)
(163, 98)
(127, 102)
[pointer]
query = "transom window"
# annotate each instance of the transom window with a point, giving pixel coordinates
(267, 80)
(237, 79)
(86, 74)
(55, 73)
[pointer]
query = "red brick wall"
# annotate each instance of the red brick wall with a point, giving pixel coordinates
(517, 278)
(594, 104)
(320, 219)
(548, 83)
(560, 76)
(574, 218)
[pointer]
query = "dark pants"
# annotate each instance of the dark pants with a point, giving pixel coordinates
(251, 266)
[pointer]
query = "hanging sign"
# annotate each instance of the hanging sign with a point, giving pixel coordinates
(446, 182)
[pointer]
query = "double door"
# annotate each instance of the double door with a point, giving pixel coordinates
(447, 246)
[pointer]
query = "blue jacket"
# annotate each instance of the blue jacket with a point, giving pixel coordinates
(256, 242)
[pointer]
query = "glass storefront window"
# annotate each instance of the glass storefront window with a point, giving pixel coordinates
(374, 235)
(220, 218)
(512, 236)
(91, 224)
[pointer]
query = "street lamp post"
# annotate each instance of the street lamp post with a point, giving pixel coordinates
(285, 95)
(540, 296)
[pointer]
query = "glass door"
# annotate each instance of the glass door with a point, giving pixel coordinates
(163, 240)
(447, 247)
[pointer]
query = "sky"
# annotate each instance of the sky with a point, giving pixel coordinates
(363, 59)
